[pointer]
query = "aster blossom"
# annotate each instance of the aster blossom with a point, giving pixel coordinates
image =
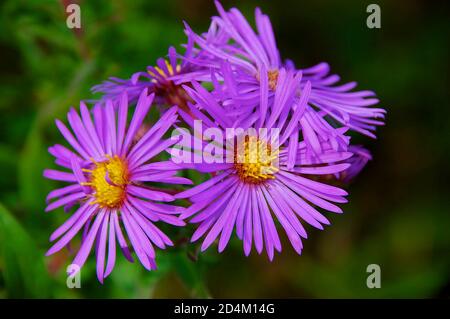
(254, 56)
(156, 79)
(108, 171)
(263, 182)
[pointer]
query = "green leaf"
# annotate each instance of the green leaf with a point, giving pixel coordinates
(190, 274)
(21, 262)
(33, 160)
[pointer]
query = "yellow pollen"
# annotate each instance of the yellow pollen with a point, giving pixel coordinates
(172, 93)
(169, 69)
(253, 161)
(109, 179)
(272, 78)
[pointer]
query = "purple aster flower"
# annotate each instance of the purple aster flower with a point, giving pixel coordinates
(351, 109)
(263, 182)
(106, 172)
(254, 58)
(157, 79)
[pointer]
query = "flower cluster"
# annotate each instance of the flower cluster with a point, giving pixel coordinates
(286, 160)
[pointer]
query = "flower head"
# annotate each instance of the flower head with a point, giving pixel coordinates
(158, 79)
(250, 63)
(264, 181)
(107, 172)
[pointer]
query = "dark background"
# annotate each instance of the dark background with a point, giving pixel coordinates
(398, 215)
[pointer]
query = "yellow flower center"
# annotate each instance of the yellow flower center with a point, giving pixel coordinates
(272, 76)
(254, 161)
(169, 69)
(109, 180)
(172, 94)
(273, 79)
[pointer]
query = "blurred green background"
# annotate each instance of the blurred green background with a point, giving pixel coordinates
(398, 215)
